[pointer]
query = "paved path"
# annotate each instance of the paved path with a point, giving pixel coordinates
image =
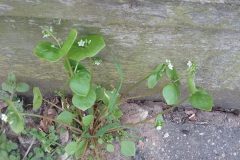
(204, 136)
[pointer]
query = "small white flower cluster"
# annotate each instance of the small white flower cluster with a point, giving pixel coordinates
(170, 66)
(82, 43)
(46, 31)
(159, 128)
(3, 117)
(189, 64)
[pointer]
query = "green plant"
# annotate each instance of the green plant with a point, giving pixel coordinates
(95, 112)
(8, 149)
(49, 147)
(93, 117)
(197, 96)
(8, 94)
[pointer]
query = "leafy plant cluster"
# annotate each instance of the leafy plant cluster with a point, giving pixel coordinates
(49, 147)
(8, 149)
(198, 97)
(8, 94)
(93, 117)
(95, 110)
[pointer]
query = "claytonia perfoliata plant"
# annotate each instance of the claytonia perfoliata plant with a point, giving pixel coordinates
(197, 96)
(93, 116)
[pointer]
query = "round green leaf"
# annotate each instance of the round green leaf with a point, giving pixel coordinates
(201, 100)
(78, 53)
(37, 98)
(53, 53)
(9, 87)
(80, 83)
(65, 117)
(128, 148)
(80, 148)
(152, 81)
(87, 120)
(110, 148)
(22, 87)
(15, 118)
(100, 141)
(47, 51)
(171, 94)
(71, 148)
(84, 103)
(68, 42)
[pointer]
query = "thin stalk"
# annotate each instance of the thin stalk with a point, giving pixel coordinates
(69, 66)
(85, 148)
(55, 39)
(75, 69)
(28, 150)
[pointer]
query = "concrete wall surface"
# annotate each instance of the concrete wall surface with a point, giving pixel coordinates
(139, 34)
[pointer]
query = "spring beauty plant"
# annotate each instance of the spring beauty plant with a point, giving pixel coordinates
(93, 115)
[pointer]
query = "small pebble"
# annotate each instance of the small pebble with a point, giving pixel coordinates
(166, 135)
(201, 134)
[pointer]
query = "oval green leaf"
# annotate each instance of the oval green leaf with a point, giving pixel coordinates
(201, 100)
(71, 148)
(78, 53)
(65, 117)
(37, 98)
(80, 83)
(22, 87)
(152, 81)
(171, 94)
(68, 42)
(84, 103)
(47, 51)
(87, 120)
(110, 148)
(15, 118)
(128, 148)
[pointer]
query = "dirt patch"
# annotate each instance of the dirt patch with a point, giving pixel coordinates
(187, 134)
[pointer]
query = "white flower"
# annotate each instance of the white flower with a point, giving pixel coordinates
(4, 117)
(81, 43)
(45, 35)
(168, 61)
(170, 66)
(51, 29)
(159, 128)
(97, 63)
(189, 64)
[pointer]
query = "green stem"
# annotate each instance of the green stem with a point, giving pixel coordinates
(55, 39)
(69, 66)
(75, 69)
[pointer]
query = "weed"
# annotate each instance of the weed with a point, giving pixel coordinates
(93, 117)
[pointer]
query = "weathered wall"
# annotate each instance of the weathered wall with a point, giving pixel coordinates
(139, 33)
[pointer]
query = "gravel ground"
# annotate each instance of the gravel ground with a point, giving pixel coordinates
(188, 134)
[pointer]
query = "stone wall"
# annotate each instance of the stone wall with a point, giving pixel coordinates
(139, 34)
